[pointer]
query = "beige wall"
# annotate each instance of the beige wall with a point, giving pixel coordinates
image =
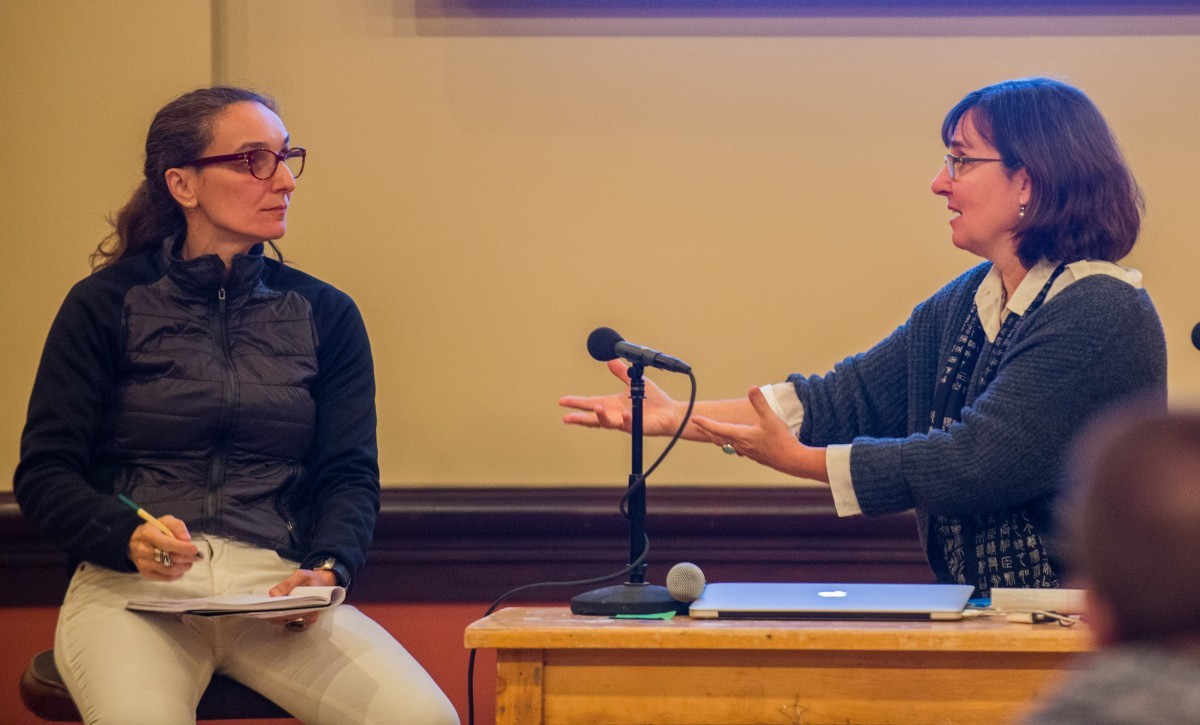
(750, 194)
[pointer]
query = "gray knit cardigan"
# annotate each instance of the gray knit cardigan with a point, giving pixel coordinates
(1097, 342)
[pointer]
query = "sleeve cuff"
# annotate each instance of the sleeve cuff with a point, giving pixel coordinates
(783, 400)
(837, 467)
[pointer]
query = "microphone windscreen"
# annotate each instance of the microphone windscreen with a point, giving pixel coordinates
(685, 582)
(602, 343)
(1196, 336)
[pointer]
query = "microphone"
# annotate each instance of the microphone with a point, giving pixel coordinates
(606, 344)
(1195, 336)
(685, 582)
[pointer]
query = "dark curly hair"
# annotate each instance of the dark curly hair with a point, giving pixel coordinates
(179, 133)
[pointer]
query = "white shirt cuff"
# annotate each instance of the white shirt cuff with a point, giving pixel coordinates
(783, 400)
(837, 467)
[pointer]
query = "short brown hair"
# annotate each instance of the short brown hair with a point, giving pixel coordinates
(1085, 203)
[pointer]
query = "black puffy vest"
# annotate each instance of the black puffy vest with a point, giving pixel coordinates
(212, 417)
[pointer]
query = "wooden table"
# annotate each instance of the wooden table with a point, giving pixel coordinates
(556, 667)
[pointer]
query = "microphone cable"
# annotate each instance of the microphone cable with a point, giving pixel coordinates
(575, 583)
(624, 508)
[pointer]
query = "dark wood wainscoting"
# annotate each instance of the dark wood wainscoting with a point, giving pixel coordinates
(473, 544)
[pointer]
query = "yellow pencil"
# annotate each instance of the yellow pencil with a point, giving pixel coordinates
(146, 515)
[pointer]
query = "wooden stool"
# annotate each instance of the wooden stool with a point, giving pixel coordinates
(46, 696)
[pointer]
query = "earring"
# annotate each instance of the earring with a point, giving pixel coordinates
(1021, 213)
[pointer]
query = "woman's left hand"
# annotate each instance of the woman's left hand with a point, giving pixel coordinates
(768, 441)
(304, 578)
(301, 578)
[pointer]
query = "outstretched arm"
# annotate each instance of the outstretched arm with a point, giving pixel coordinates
(767, 440)
(661, 414)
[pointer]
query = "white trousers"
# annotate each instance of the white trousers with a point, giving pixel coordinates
(125, 668)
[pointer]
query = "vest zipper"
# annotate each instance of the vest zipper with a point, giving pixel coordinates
(229, 399)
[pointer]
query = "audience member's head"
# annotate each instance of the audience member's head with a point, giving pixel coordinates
(1131, 524)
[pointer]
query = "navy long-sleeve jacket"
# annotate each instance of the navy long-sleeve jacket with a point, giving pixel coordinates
(244, 406)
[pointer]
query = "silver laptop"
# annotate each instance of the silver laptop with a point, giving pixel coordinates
(746, 600)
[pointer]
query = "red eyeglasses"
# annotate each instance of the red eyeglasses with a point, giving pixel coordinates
(262, 162)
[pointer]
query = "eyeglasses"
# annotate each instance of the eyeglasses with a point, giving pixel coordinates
(953, 162)
(263, 163)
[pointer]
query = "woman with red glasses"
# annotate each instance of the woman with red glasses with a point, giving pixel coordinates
(233, 397)
(964, 412)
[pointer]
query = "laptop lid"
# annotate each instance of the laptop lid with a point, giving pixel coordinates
(749, 600)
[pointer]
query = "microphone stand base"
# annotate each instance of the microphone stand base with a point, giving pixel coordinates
(627, 598)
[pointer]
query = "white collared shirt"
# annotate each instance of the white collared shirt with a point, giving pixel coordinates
(992, 312)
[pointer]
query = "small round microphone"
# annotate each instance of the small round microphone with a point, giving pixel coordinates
(1196, 336)
(685, 582)
(602, 343)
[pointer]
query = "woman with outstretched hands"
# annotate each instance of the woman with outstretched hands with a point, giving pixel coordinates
(964, 412)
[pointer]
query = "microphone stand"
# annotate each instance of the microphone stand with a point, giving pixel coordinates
(634, 596)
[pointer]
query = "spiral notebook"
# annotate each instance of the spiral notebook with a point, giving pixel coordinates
(750, 600)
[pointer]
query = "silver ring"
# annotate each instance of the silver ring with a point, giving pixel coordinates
(728, 448)
(166, 560)
(158, 556)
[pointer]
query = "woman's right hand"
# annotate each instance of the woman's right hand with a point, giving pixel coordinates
(661, 414)
(147, 538)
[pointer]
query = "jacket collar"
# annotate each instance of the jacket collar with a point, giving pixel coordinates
(206, 274)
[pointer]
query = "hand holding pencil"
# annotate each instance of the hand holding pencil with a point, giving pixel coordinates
(161, 548)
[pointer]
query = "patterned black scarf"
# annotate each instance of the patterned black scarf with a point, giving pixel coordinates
(1000, 548)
